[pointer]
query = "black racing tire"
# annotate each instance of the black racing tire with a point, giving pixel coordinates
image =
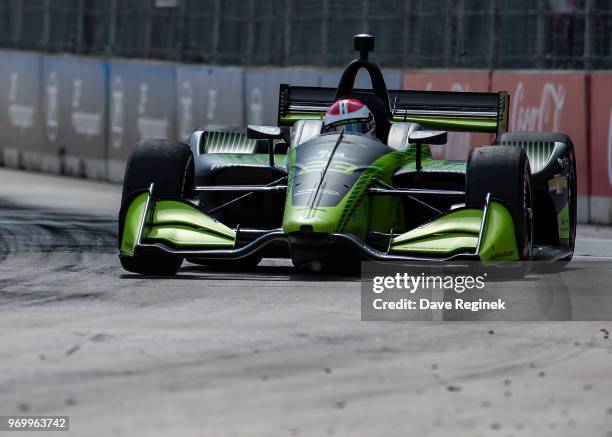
(504, 172)
(166, 164)
(170, 167)
(555, 137)
(152, 264)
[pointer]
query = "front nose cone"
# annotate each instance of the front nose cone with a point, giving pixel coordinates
(318, 249)
(309, 221)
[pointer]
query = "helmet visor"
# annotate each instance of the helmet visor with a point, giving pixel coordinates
(350, 128)
(357, 128)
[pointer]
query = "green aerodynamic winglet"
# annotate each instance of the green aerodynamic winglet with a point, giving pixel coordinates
(446, 244)
(464, 221)
(499, 238)
(184, 225)
(459, 232)
(454, 232)
(174, 212)
(132, 224)
(175, 222)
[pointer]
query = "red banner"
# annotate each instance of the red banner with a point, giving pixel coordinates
(600, 125)
(459, 143)
(601, 134)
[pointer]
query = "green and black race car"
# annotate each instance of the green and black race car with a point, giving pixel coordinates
(231, 197)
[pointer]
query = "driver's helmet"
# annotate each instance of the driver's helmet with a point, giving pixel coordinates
(352, 116)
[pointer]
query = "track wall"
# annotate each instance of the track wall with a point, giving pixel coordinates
(80, 116)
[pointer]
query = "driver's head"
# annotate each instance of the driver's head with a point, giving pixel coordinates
(352, 116)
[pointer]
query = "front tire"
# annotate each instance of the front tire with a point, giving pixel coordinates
(170, 167)
(504, 172)
(152, 264)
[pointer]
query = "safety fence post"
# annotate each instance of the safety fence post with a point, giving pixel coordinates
(541, 18)
(324, 33)
(406, 23)
(365, 13)
(589, 16)
(17, 20)
(148, 12)
(112, 27)
(493, 34)
(46, 31)
(250, 32)
(216, 31)
(180, 43)
(287, 41)
(80, 24)
(448, 32)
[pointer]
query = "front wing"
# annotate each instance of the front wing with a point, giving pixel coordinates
(180, 228)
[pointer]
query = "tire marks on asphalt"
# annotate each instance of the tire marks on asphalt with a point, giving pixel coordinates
(37, 244)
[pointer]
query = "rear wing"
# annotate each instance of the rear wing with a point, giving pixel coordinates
(453, 111)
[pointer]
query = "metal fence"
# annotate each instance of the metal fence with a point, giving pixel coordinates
(410, 33)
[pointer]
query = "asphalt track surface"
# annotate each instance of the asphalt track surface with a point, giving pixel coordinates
(271, 352)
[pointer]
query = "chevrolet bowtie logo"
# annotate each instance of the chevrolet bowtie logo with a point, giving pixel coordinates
(558, 184)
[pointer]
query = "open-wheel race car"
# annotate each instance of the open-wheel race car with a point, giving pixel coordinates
(348, 175)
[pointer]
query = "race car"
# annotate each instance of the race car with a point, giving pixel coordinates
(346, 176)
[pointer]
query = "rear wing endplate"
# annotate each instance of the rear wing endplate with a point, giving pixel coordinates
(454, 111)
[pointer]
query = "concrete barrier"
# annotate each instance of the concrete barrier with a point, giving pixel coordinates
(74, 115)
(20, 110)
(208, 96)
(81, 116)
(142, 104)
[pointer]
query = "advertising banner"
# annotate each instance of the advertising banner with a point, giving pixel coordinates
(21, 141)
(554, 102)
(208, 96)
(459, 143)
(74, 113)
(601, 147)
(142, 104)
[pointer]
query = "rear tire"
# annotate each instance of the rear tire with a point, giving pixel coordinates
(170, 167)
(504, 172)
(555, 137)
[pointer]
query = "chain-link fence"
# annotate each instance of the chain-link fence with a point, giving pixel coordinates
(410, 33)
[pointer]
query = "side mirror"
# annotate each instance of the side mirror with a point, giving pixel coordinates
(420, 137)
(435, 137)
(264, 132)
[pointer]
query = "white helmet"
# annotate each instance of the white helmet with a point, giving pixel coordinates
(352, 116)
